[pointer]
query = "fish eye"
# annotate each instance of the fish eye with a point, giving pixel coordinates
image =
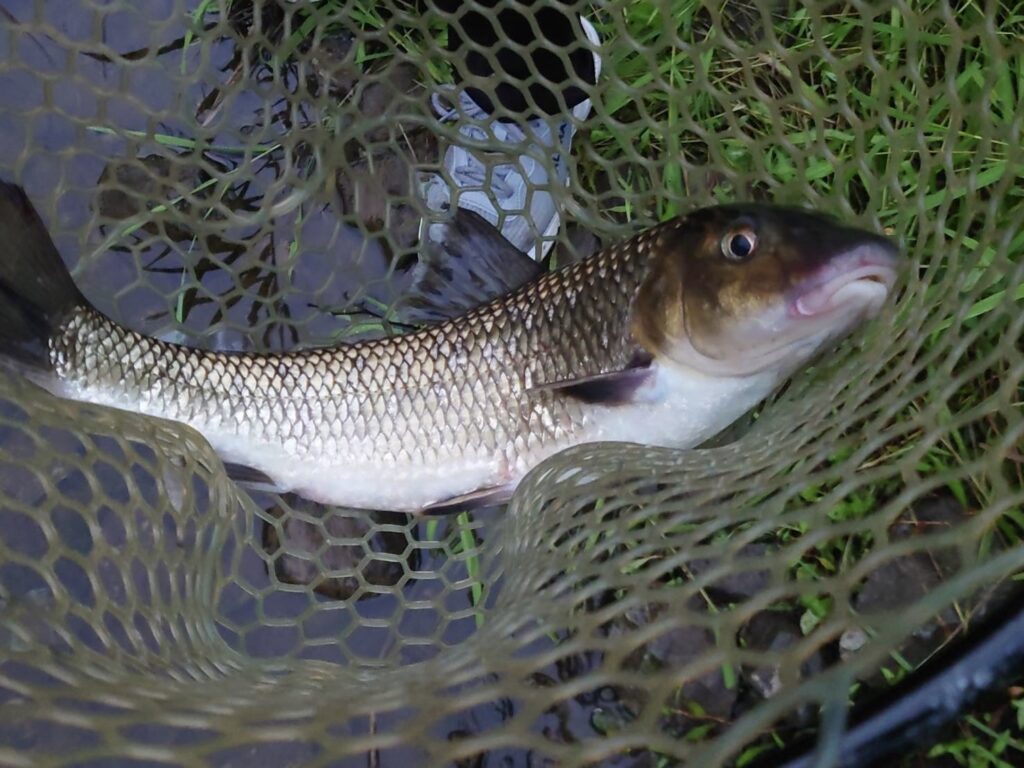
(739, 244)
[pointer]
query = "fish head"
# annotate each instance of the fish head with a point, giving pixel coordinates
(735, 290)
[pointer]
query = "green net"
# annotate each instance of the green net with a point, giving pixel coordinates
(244, 174)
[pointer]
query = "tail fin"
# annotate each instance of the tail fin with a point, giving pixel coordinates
(36, 289)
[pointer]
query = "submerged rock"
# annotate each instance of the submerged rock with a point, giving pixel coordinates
(705, 697)
(778, 631)
(908, 578)
(743, 580)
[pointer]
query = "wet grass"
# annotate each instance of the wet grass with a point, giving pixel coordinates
(753, 127)
(461, 542)
(991, 739)
(307, 23)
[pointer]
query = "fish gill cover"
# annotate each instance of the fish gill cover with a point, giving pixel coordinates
(244, 175)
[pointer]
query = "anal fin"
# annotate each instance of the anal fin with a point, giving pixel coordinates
(482, 497)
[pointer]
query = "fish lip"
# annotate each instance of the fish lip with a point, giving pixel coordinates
(877, 262)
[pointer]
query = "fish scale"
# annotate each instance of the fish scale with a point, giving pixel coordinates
(445, 395)
(664, 339)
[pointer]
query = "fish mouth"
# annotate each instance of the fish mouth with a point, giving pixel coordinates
(857, 282)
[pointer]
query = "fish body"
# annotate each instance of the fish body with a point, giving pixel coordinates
(621, 347)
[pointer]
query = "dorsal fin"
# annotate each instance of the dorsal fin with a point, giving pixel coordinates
(467, 265)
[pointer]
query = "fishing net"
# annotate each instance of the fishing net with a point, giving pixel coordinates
(245, 174)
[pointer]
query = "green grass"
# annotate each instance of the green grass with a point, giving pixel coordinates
(461, 543)
(991, 740)
(795, 153)
(723, 124)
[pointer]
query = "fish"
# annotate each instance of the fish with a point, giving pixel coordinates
(663, 339)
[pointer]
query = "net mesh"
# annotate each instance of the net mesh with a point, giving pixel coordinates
(244, 174)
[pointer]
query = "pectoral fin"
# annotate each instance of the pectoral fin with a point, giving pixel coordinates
(610, 388)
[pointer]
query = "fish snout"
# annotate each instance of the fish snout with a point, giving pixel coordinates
(856, 281)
